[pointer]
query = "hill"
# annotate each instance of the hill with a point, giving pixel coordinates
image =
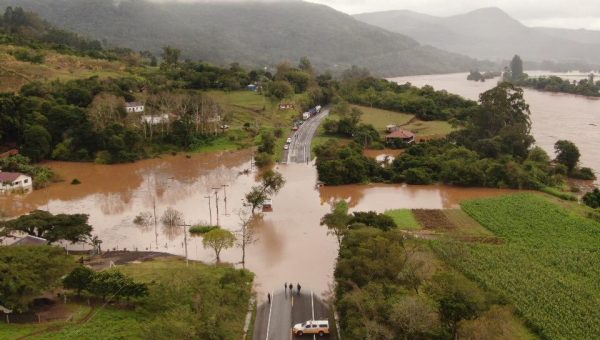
(253, 34)
(490, 33)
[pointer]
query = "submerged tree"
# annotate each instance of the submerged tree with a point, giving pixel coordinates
(270, 185)
(246, 235)
(218, 240)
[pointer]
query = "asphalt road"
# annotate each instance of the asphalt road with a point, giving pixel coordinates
(274, 320)
(299, 151)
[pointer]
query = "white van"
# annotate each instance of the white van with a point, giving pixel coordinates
(320, 327)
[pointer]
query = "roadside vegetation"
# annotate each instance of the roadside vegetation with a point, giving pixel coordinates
(516, 266)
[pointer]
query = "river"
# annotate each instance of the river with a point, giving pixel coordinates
(290, 245)
(554, 116)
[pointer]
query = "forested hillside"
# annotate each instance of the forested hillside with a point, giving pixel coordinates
(253, 34)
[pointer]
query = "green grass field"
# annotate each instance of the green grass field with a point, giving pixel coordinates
(404, 218)
(548, 266)
(381, 118)
(172, 285)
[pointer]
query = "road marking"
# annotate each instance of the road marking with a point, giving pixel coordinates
(270, 309)
(312, 304)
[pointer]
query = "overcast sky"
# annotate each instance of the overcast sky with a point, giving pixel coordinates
(551, 13)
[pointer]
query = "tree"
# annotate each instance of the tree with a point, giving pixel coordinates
(458, 299)
(305, 65)
(516, 68)
(337, 220)
(413, 317)
(106, 109)
(53, 228)
(246, 235)
(271, 183)
(170, 56)
(280, 89)
(567, 154)
(171, 218)
(28, 271)
(114, 284)
(218, 240)
(79, 279)
(36, 143)
(267, 143)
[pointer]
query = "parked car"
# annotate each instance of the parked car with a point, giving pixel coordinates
(295, 128)
(289, 140)
(320, 327)
(286, 147)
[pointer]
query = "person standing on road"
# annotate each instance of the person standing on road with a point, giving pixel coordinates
(299, 287)
(269, 297)
(291, 288)
(285, 287)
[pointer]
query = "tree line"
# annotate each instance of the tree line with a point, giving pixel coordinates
(494, 148)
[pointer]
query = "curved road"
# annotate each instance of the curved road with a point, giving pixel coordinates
(299, 151)
(274, 320)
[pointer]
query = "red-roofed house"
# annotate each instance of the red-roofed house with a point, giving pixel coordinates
(14, 181)
(405, 135)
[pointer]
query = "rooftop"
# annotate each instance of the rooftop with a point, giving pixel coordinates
(30, 240)
(9, 176)
(400, 133)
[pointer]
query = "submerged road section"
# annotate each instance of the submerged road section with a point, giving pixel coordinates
(274, 321)
(299, 149)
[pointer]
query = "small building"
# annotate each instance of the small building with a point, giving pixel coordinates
(30, 240)
(286, 106)
(12, 152)
(155, 119)
(10, 181)
(400, 134)
(134, 107)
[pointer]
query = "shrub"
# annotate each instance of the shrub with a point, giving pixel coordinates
(263, 159)
(592, 199)
(75, 181)
(202, 229)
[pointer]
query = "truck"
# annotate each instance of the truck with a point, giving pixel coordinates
(317, 327)
(306, 115)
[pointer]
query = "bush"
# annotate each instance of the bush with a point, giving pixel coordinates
(263, 159)
(417, 176)
(75, 181)
(592, 199)
(202, 229)
(583, 173)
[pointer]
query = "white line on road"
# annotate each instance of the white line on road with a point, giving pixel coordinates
(312, 305)
(270, 309)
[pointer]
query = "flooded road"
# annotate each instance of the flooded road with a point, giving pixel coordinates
(554, 115)
(290, 246)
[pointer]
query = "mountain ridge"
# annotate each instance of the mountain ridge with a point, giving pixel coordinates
(488, 33)
(255, 34)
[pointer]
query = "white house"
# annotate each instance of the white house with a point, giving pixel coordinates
(155, 119)
(134, 107)
(10, 181)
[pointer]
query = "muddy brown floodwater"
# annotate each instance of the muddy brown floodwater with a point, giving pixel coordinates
(290, 246)
(554, 116)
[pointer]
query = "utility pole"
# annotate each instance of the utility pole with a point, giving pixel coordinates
(209, 209)
(155, 222)
(225, 199)
(187, 263)
(217, 202)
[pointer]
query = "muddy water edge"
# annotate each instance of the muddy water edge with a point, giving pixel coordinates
(291, 246)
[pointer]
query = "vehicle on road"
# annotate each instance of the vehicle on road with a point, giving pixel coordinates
(306, 115)
(286, 147)
(295, 128)
(319, 327)
(289, 140)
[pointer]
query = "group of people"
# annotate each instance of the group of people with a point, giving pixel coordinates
(287, 287)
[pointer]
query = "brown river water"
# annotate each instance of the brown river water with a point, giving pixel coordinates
(554, 115)
(291, 245)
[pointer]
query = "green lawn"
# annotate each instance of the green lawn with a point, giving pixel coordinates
(430, 129)
(404, 218)
(548, 266)
(382, 118)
